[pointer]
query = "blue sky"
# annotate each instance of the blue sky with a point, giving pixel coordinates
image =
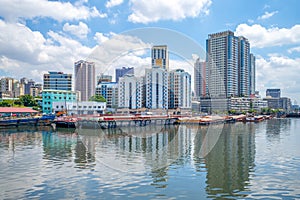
(37, 36)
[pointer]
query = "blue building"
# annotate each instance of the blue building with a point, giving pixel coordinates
(109, 90)
(50, 96)
(57, 81)
(122, 71)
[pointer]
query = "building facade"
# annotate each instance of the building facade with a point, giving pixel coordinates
(156, 81)
(222, 61)
(85, 79)
(130, 92)
(109, 90)
(180, 91)
(57, 81)
(245, 104)
(124, 71)
(229, 66)
(36, 90)
(160, 56)
(199, 78)
(80, 107)
(244, 67)
(252, 73)
(50, 96)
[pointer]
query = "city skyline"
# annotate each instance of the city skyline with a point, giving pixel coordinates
(50, 35)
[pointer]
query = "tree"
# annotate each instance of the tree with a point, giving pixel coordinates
(27, 100)
(97, 98)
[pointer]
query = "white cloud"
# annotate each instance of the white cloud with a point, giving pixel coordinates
(279, 72)
(25, 52)
(145, 11)
(267, 15)
(294, 49)
(261, 37)
(113, 3)
(81, 30)
(15, 10)
(101, 37)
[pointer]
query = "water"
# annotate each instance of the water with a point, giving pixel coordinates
(252, 160)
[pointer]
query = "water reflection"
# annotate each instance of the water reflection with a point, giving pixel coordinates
(230, 162)
(218, 161)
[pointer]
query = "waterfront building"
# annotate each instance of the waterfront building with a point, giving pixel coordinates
(130, 92)
(160, 56)
(243, 66)
(57, 81)
(222, 61)
(85, 79)
(180, 92)
(156, 81)
(282, 103)
(229, 65)
(109, 90)
(79, 107)
(214, 105)
(199, 78)
(252, 74)
(274, 93)
(245, 104)
(123, 71)
(103, 78)
(196, 107)
(50, 96)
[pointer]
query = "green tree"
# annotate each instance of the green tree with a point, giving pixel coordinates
(27, 100)
(97, 98)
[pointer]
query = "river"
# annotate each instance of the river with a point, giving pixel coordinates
(241, 160)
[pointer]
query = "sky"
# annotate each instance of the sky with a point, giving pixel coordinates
(37, 36)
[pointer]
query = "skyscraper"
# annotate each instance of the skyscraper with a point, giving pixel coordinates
(85, 79)
(244, 67)
(156, 80)
(160, 56)
(222, 61)
(57, 81)
(123, 71)
(180, 91)
(252, 74)
(200, 78)
(228, 65)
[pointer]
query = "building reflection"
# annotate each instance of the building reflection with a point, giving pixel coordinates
(22, 136)
(277, 126)
(230, 161)
(58, 146)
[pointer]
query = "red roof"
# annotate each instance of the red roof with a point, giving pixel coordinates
(16, 110)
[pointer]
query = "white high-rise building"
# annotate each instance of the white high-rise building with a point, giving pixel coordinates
(85, 79)
(130, 92)
(156, 80)
(222, 61)
(200, 78)
(160, 56)
(180, 91)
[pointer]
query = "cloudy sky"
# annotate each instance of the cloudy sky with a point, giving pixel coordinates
(37, 36)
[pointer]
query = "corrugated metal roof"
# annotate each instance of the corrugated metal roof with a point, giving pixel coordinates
(16, 110)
